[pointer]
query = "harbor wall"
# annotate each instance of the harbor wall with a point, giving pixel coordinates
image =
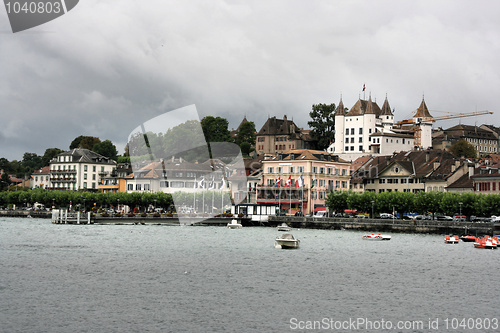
(389, 225)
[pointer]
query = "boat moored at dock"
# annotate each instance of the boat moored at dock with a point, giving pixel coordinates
(234, 224)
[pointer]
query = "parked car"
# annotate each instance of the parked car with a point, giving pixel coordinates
(360, 216)
(386, 216)
(422, 217)
(460, 218)
(321, 213)
(480, 219)
(443, 218)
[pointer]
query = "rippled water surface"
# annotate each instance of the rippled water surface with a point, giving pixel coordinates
(150, 278)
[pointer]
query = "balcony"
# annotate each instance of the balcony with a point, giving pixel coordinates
(60, 172)
(63, 180)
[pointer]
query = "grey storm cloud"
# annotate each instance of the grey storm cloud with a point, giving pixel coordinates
(107, 66)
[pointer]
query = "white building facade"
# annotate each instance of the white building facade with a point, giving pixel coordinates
(367, 129)
(79, 169)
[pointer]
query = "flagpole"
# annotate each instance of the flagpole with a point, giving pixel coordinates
(279, 198)
(302, 200)
(194, 195)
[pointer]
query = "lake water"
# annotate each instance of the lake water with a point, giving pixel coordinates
(151, 278)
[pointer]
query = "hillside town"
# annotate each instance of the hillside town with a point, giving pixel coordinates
(370, 152)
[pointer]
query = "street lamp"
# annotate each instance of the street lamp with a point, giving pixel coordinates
(118, 208)
(460, 203)
(373, 215)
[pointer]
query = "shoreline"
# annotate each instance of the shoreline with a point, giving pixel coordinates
(386, 225)
(326, 223)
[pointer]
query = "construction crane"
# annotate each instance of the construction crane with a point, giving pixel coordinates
(420, 119)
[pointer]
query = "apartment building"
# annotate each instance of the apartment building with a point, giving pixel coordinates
(300, 179)
(78, 169)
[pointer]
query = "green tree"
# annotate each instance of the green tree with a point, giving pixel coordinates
(4, 181)
(5, 165)
(337, 201)
(215, 129)
(106, 148)
(322, 125)
(246, 133)
(76, 142)
(49, 154)
(462, 148)
(246, 148)
(85, 142)
(31, 162)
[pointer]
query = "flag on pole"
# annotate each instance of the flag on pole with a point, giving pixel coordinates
(288, 181)
(223, 185)
(195, 183)
(201, 183)
(363, 87)
(299, 182)
(313, 182)
(212, 184)
(278, 182)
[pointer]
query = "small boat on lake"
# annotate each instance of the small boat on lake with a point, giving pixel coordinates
(234, 225)
(486, 242)
(283, 227)
(468, 238)
(376, 237)
(451, 239)
(286, 241)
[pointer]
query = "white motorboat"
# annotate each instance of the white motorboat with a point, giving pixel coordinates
(376, 237)
(234, 225)
(283, 227)
(286, 241)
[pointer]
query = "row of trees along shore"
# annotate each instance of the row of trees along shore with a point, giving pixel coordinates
(89, 200)
(447, 203)
(469, 204)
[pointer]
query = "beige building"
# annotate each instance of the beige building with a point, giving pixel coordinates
(414, 171)
(300, 180)
(485, 141)
(40, 178)
(279, 135)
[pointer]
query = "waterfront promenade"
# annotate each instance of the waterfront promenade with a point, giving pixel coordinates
(335, 223)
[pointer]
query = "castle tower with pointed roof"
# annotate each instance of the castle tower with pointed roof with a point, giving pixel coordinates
(367, 129)
(423, 133)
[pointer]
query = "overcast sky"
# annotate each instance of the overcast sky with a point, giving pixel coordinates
(107, 66)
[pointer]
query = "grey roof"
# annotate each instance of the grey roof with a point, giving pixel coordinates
(81, 155)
